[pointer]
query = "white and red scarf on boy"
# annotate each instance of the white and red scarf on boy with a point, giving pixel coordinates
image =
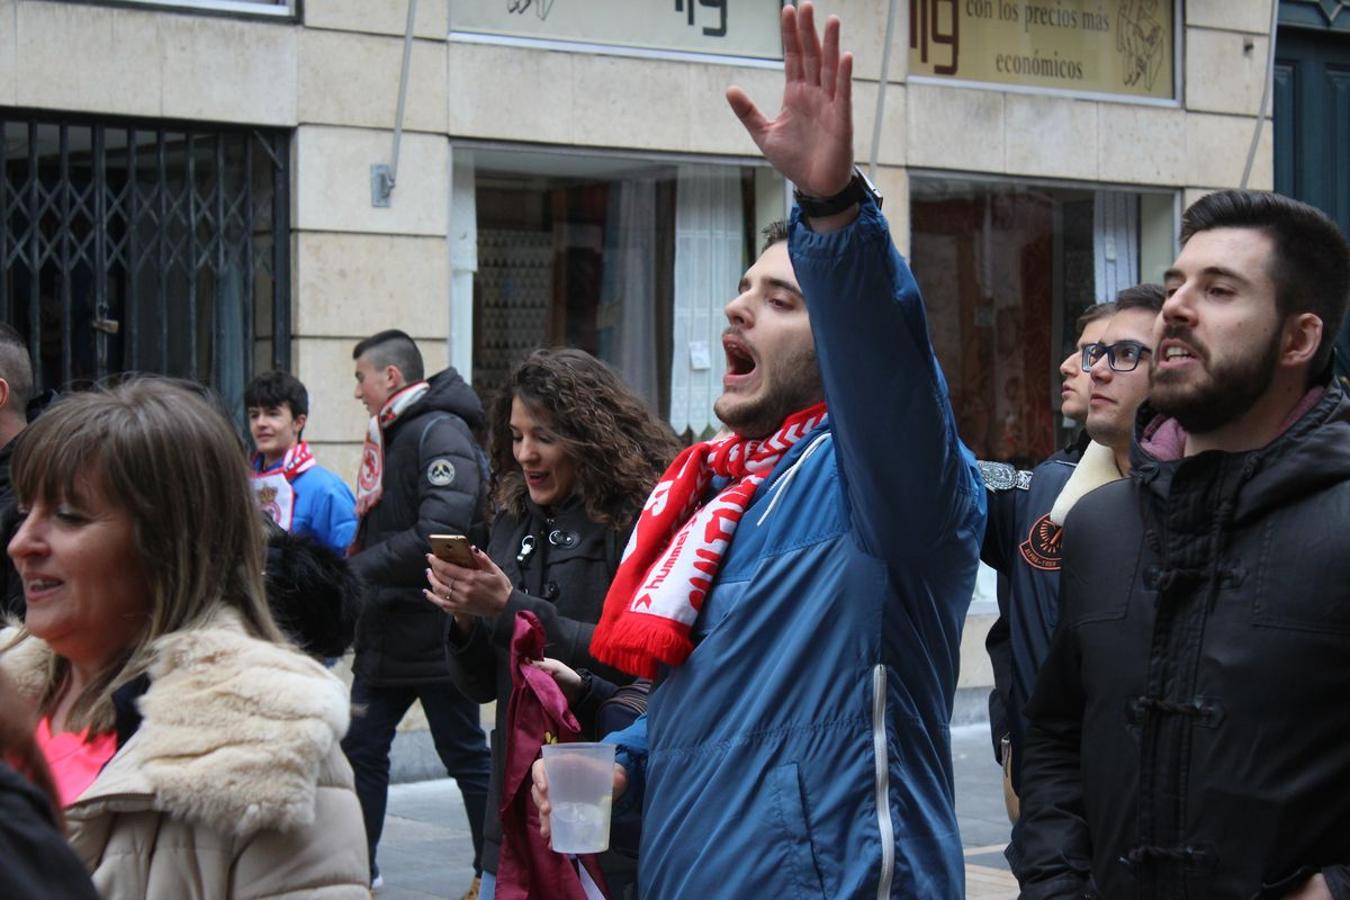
(370, 480)
(677, 546)
(274, 488)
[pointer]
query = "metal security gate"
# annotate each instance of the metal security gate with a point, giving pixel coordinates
(145, 246)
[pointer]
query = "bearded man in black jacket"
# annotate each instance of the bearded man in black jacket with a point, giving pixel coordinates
(422, 473)
(1188, 731)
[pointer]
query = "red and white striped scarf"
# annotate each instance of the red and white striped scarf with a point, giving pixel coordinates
(370, 480)
(298, 460)
(677, 547)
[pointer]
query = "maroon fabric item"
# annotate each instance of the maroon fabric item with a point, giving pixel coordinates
(537, 715)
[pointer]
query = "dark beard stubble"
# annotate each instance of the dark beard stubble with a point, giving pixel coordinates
(799, 387)
(1227, 391)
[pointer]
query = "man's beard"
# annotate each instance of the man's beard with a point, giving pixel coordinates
(798, 387)
(1229, 389)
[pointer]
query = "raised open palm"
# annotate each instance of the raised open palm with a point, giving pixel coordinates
(811, 140)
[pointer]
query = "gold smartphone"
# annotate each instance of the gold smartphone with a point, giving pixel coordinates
(453, 548)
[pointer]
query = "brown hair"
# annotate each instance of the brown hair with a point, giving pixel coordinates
(162, 454)
(1145, 296)
(18, 750)
(773, 233)
(1311, 263)
(618, 447)
(1092, 314)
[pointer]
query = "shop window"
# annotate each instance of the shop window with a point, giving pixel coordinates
(1006, 268)
(630, 260)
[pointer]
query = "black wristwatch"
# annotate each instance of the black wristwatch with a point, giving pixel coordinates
(859, 188)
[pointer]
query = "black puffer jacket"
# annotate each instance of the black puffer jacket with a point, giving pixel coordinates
(562, 580)
(1202, 663)
(434, 475)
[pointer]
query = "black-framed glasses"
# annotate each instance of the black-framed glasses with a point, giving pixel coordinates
(1122, 356)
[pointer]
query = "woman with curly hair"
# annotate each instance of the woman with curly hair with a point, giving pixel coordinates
(574, 455)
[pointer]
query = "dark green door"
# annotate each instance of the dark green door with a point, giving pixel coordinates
(1312, 127)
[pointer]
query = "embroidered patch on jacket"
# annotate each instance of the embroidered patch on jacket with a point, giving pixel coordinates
(1003, 477)
(441, 472)
(1043, 547)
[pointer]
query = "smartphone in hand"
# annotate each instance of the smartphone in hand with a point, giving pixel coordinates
(453, 548)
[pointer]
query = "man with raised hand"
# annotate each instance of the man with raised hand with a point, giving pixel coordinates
(1186, 736)
(799, 585)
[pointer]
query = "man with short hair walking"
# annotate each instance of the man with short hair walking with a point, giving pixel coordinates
(421, 473)
(1187, 733)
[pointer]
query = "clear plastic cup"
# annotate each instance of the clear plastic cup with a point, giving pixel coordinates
(581, 791)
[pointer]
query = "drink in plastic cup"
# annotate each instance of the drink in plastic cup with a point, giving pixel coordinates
(580, 790)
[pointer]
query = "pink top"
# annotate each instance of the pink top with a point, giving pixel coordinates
(74, 760)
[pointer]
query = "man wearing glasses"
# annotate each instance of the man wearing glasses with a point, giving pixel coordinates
(1027, 509)
(1118, 366)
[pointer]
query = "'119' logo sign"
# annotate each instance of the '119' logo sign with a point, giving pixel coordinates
(719, 5)
(935, 22)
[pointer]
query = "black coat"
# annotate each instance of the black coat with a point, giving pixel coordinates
(563, 581)
(11, 586)
(1021, 545)
(35, 860)
(1190, 730)
(399, 636)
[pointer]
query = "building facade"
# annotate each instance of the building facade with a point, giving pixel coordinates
(188, 185)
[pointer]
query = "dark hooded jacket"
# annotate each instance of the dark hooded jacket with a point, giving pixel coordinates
(1189, 730)
(560, 564)
(400, 636)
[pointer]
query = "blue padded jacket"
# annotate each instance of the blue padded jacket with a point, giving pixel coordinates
(803, 750)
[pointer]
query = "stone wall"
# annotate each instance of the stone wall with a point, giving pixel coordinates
(334, 79)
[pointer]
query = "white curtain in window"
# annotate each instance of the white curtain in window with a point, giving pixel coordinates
(1115, 242)
(709, 251)
(627, 314)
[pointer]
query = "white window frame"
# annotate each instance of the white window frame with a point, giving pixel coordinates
(265, 9)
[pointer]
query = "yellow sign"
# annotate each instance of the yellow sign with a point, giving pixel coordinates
(1084, 46)
(723, 27)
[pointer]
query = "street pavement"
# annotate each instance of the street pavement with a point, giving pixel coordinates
(426, 851)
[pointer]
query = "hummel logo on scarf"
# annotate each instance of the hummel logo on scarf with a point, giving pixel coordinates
(677, 547)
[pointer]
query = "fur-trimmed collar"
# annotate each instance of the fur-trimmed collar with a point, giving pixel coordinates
(234, 734)
(1096, 468)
